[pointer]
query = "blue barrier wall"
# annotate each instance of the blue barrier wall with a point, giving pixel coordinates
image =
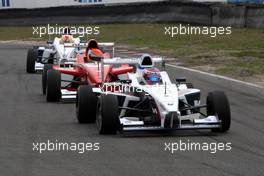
(245, 1)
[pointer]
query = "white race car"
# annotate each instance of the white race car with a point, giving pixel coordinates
(60, 52)
(148, 100)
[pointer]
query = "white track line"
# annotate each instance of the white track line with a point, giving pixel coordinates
(216, 76)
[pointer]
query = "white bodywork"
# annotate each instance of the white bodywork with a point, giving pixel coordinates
(64, 53)
(166, 96)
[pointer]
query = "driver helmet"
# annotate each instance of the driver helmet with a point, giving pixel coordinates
(67, 38)
(152, 75)
(95, 52)
(92, 44)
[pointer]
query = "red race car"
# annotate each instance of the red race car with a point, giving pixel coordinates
(62, 83)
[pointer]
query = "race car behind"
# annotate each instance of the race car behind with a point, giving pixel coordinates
(86, 70)
(59, 52)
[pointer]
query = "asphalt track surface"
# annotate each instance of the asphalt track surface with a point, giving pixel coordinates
(26, 118)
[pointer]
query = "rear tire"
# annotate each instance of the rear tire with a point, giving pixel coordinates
(218, 104)
(44, 77)
(31, 59)
(107, 116)
(53, 89)
(86, 102)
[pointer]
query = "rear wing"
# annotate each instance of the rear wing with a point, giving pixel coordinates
(105, 47)
(84, 45)
(108, 47)
(131, 61)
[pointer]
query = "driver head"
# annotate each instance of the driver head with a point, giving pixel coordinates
(152, 76)
(95, 54)
(92, 44)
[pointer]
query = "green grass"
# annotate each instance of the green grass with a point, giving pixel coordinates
(243, 69)
(236, 55)
(257, 53)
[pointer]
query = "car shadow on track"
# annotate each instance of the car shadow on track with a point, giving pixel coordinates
(170, 133)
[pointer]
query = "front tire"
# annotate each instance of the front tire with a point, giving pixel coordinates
(218, 104)
(86, 102)
(31, 59)
(107, 117)
(44, 77)
(53, 90)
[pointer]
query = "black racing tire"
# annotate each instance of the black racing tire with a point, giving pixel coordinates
(86, 102)
(53, 89)
(31, 59)
(218, 104)
(107, 116)
(44, 77)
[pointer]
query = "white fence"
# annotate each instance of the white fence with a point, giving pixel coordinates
(56, 3)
